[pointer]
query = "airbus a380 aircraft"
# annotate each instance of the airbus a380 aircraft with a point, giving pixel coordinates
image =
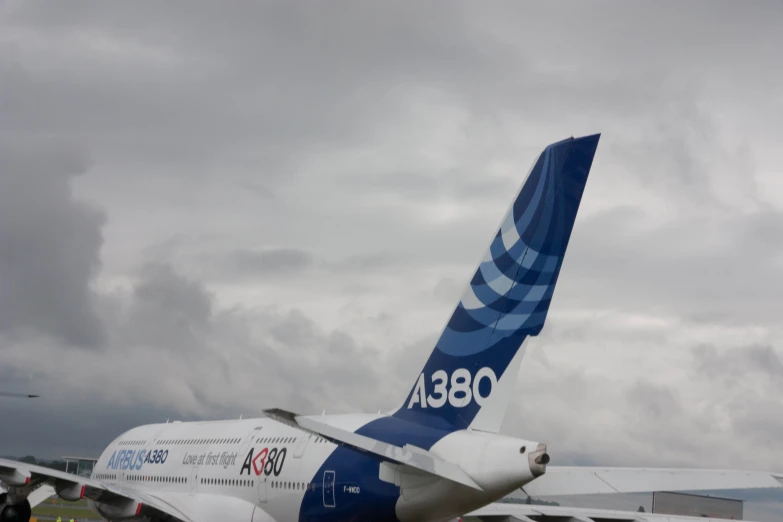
(438, 456)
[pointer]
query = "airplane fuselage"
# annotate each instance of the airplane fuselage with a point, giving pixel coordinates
(291, 474)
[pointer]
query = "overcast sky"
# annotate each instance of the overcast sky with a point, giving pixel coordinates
(207, 209)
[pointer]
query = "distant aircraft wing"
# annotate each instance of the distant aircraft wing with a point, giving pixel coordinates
(408, 455)
(503, 512)
(579, 480)
(18, 395)
(122, 501)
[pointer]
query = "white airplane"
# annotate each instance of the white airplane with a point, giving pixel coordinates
(438, 456)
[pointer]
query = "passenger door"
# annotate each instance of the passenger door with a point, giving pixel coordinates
(255, 432)
(301, 445)
(262, 489)
(193, 479)
(329, 489)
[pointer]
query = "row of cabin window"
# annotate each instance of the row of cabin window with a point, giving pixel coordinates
(177, 442)
(298, 486)
(132, 443)
(226, 482)
(276, 484)
(157, 479)
(276, 440)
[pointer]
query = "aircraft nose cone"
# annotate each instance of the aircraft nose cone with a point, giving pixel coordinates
(538, 460)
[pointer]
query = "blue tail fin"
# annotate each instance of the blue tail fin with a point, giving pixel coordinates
(507, 300)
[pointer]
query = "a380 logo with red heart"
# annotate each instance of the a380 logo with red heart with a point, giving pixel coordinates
(267, 461)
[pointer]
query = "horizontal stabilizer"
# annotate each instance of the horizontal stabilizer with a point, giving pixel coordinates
(579, 480)
(408, 455)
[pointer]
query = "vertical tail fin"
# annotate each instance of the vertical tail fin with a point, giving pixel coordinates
(469, 377)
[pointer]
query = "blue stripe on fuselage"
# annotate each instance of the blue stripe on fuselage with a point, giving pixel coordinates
(377, 499)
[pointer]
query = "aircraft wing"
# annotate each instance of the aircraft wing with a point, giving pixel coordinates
(211, 508)
(37, 496)
(119, 501)
(503, 512)
(580, 480)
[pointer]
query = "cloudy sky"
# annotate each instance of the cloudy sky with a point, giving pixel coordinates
(207, 209)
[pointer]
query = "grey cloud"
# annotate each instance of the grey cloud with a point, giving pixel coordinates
(685, 155)
(287, 265)
(447, 290)
(53, 428)
(579, 392)
(275, 78)
(49, 243)
(736, 363)
(174, 355)
(726, 265)
(260, 51)
(653, 402)
(306, 355)
(286, 354)
(754, 376)
(463, 183)
(167, 311)
(270, 262)
(759, 233)
(364, 263)
(296, 331)
(283, 49)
